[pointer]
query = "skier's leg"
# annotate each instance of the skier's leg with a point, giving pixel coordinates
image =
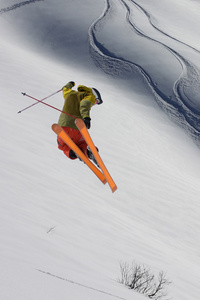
(77, 138)
(84, 148)
(81, 143)
(64, 147)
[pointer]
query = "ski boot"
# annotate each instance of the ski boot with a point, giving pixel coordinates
(91, 155)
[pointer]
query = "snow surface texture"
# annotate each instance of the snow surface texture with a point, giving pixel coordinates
(63, 233)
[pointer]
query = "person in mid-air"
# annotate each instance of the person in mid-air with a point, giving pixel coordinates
(77, 105)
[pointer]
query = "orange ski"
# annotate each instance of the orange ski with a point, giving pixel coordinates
(66, 139)
(81, 126)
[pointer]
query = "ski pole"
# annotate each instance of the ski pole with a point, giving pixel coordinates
(37, 102)
(41, 101)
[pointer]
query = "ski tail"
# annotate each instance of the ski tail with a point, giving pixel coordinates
(66, 139)
(81, 126)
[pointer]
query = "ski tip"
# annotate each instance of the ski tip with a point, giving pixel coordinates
(104, 181)
(114, 188)
(53, 126)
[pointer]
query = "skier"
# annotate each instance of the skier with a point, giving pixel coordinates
(77, 105)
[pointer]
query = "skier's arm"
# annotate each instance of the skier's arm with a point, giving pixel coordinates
(85, 107)
(86, 104)
(67, 88)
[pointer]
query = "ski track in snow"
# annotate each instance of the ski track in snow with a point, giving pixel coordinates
(182, 105)
(80, 284)
(18, 5)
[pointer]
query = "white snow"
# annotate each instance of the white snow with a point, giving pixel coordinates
(63, 233)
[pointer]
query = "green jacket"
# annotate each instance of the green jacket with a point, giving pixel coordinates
(77, 104)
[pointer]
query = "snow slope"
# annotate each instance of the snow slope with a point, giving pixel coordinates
(64, 234)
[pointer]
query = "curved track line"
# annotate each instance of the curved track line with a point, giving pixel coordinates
(189, 72)
(190, 75)
(161, 31)
(102, 57)
(180, 111)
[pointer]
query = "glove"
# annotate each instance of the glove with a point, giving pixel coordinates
(87, 122)
(72, 83)
(69, 85)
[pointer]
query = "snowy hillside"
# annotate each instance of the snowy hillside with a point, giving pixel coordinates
(63, 233)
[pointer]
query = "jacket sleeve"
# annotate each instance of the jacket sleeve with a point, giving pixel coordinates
(85, 107)
(87, 102)
(67, 88)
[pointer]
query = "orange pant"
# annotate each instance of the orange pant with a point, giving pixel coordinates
(77, 138)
